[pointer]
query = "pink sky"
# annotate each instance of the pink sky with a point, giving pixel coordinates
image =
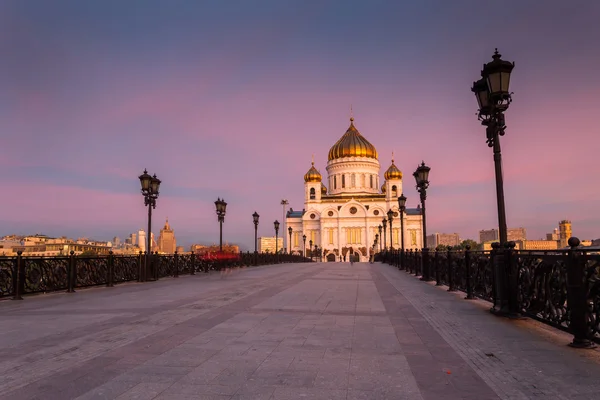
(233, 103)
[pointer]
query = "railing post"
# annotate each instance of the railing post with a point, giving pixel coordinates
(577, 297)
(141, 267)
(468, 273)
(72, 278)
(109, 270)
(512, 268)
(438, 272)
(451, 272)
(193, 264)
(176, 262)
(156, 265)
(18, 277)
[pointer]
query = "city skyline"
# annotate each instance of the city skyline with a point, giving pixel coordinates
(232, 102)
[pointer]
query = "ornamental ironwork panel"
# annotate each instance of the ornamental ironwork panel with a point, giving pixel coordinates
(592, 280)
(460, 270)
(45, 274)
(7, 269)
(126, 268)
(482, 278)
(166, 266)
(542, 290)
(91, 271)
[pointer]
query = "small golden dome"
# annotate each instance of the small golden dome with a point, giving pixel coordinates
(392, 172)
(323, 189)
(312, 175)
(352, 144)
(383, 188)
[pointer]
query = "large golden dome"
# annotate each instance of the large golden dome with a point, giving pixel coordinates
(312, 175)
(392, 172)
(352, 144)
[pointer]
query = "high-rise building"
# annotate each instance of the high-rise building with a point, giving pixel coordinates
(141, 240)
(133, 239)
(166, 239)
(116, 241)
(565, 233)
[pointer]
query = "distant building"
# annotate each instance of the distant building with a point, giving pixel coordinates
(445, 239)
(565, 232)
(493, 235)
(180, 249)
(166, 240)
(141, 240)
(488, 235)
(515, 234)
(536, 245)
(267, 244)
(116, 241)
(201, 249)
(555, 235)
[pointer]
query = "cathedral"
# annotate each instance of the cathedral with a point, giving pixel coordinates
(343, 216)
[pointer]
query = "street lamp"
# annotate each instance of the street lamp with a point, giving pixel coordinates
(284, 203)
(221, 209)
(422, 179)
(493, 98)
(304, 246)
(310, 243)
(390, 215)
(150, 191)
(402, 208)
(255, 217)
(379, 236)
(290, 230)
(377, 239)
(276, 225)
(384, 223)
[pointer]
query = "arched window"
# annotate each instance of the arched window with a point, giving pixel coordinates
(371, 179)
(335, 181)
(343, 181)
(394, 191)
(312, 193)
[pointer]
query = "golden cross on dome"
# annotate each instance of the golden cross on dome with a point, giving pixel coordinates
(392, 156)
(351, 113)
(313, 160)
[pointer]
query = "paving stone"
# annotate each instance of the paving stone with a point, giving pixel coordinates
(313, 331)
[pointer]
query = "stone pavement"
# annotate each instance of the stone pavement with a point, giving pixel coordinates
(293, 331)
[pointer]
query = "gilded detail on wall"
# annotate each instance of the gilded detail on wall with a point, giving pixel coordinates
(413, 237)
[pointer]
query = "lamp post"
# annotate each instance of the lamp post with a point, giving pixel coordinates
(150, 191)
(493, 98)
(304, 246)
(221, 209)
(384, 223)
(255, 217)
(379, 236)
(377, 240)
(402, 208)
(284, 203)
(276, 225)
(310, 243)
(290, 230)
(390, 215)
(422, 179)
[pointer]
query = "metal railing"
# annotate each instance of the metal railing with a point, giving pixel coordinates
(21, 275)
(560, 288)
